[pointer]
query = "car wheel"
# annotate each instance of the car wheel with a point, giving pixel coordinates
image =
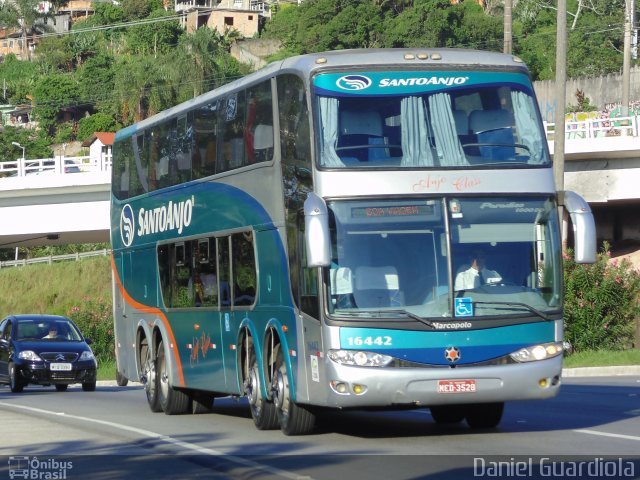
(294, 419)
(263, 411)
(89, 386)
(172, 401)
(14, 382)
(61, 387)
(121, 380)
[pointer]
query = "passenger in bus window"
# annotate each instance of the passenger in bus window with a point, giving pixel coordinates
(475, 274)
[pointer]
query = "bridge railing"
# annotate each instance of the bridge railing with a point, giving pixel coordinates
(597, 128)
(58, 165)
(54, 258)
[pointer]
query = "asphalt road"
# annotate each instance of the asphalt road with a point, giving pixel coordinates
(110, 433)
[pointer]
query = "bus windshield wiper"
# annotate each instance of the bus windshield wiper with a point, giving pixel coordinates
(411, 315)
(518, 304)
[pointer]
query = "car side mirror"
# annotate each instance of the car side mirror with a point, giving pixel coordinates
(88, 341)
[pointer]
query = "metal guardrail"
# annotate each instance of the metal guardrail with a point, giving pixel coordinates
(54, 258)
(597, 128)
(58, 165)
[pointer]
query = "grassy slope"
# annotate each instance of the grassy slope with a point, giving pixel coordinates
(54, 288)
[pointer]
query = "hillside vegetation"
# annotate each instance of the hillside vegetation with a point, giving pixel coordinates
(56, 288)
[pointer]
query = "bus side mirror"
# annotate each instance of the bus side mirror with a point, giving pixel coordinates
(316, 231)
(584, 227)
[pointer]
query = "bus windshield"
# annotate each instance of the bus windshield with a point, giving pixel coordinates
(394, 258)
(428, 120)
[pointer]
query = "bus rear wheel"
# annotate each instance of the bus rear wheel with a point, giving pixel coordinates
(484, 415)
(149, 377)
(263, 411)
(294, 419)
(172, 401)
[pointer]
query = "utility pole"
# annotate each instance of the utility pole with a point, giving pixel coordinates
(508, 21)
(626, 64)
(558, 134)
(561, 94)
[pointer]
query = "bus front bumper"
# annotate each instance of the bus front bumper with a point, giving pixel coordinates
(354, 387)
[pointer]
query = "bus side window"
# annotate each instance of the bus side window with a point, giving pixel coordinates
(205, 276)
(181, 293)
(244, 268)
(224, 271)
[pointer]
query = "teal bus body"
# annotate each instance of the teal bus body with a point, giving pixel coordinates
(318, 235)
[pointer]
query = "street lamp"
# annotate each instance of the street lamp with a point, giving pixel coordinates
(19, 146)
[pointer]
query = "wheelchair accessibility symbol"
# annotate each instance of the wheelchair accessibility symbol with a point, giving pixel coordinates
(464, 307)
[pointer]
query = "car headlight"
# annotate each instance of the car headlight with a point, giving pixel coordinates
(86, 355)
(538, 352)
(29, 355)
(359, 358)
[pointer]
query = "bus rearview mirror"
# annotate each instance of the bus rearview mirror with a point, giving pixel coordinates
(316, 222)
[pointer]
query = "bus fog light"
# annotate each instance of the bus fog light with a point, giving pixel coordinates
(359, 358)
(339, 387)
(543, 383)
(359, 389)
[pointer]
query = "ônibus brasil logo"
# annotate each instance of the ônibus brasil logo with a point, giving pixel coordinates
(171, 216)
(353, 82)
(127, 225)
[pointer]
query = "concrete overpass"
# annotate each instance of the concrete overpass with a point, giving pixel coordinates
(66, 200)
(54, 202)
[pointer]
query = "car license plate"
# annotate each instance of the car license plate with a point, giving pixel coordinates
(456, 386)
(60, 367)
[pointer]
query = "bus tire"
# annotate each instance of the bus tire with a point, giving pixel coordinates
(294, 419)
(484, 415)
(448, 414)
(201, 403)
(263, 411)
(150, 378)
(121, 380)
(172, 401)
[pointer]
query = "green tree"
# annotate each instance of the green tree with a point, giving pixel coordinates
(154, 38)
(98, 122)
(18, 77)
(50, 94)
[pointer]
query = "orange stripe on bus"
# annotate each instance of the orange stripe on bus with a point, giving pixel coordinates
(157, 311)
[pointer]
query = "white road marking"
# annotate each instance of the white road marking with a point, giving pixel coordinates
(612, 435)
(167, 439)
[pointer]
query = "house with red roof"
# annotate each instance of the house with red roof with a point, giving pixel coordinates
(100, 146)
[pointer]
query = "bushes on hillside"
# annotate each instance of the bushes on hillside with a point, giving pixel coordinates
(601, 303)
(95, 320)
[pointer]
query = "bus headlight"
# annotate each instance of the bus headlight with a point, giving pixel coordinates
(538, 352)
(359, 358)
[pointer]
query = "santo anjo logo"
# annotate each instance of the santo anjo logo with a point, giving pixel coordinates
(127, 223)
(452, 354)
(353, 82)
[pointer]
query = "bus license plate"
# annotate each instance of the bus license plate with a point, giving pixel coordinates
(456, 386)
(60, 367)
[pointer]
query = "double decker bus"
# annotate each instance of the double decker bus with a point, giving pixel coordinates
(350, 229)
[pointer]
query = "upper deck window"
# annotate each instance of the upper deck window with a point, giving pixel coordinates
(427, 120)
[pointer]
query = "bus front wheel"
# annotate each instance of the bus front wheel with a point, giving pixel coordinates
(263, 412)
(484, 415)
(294, 419)
(172, 401)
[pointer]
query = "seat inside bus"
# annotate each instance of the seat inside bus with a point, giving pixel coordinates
(493, 128)
(377, 287)
(359, 130)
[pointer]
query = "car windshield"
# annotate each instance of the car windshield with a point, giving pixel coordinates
(47, 330)
(394, 259)
(427, 120)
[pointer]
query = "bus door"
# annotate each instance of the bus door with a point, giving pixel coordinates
(237, 272)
